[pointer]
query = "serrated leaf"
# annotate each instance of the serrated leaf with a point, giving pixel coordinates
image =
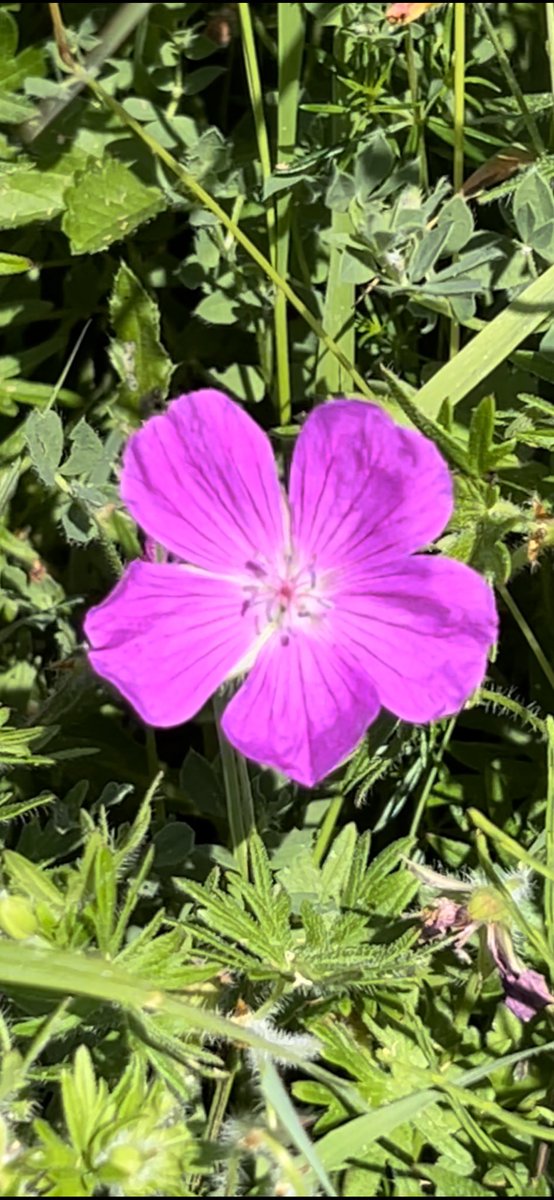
(9, 35)
(106, 203)
(407, 399)
(86, 451)
(44, 435)
(481, 432)
(77, 524)
(28, 195)
(143, 366)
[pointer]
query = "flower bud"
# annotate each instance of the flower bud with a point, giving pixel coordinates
(486, 905)
(17, 917)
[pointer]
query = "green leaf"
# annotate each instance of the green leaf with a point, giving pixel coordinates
(456, 214)
(44, 434)
(490, 347)
(533, 209)
(143, 366)
(218, 308)
(373, 164)
(14, 264)
(106, 203)
(14, 109)
(70, 973)
(408, 401)
(277, 1096)
(197, 81)
(428, 251)
(9, 36)
(27, 195)
(87, 451)
(341, 191)
(481, 431)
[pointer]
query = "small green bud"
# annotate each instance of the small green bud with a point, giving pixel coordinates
(17, 917)
(487, 906)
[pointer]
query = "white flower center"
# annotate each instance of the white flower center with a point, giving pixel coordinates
(286, 598)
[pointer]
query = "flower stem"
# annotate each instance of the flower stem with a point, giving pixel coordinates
(549, 7)
(459, 121)
(489, 696)
(425, 792)
(291, 30)
(340, 295)
(280, 302)
(417, 136)
(238, 794)
(326, 830)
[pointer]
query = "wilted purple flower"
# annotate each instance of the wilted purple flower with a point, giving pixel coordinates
(474, 906)
(526, 992)
(320, 597)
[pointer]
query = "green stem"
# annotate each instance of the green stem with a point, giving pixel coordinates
(291, 33)
(124, 20)
(532, 127)
(238, 794)
(429, 782)
(418, 132)
(528, 634)
(326, 831)
(549, 835)
(256, 100)
(195, 188)
(488, 695)
(549, 7)
(340, 296)
(280, 303)
(45, 968)
(459, 123)
(218, 1108)
(509, 844)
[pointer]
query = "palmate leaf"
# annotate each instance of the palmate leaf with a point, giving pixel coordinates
(254, 927)
(106, 203)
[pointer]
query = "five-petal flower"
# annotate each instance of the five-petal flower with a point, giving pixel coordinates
(320, 597)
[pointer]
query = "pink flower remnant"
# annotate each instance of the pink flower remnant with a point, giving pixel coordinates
(318, 596)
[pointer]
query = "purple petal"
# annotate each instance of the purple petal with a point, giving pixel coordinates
(422, 630)
(167, 637)
(201, 481)
(303, 708)
(526, 993)
(364, 490)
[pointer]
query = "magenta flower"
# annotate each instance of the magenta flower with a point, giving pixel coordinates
(319, 597)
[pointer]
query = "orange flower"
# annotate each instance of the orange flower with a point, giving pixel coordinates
(404, 14)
